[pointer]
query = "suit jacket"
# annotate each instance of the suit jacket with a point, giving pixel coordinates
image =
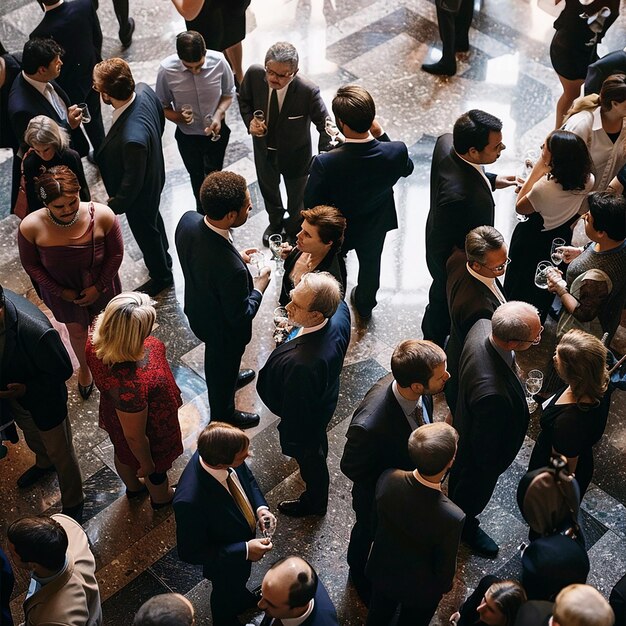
(323, 613)
(211, 530)
(534, 613)
(220, 302)
(7, 581)
(460, 200)
(25, 102)
(131, 157)
(469, 300)
(34, 355)
(598, 72)
(358, 179)
(75, 26)
(74, 596)
(413, 557)
(7, 132)
(302, 106)
(491, 414)
(300, 382)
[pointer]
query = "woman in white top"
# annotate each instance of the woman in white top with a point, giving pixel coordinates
(551, 197)
(599, 121)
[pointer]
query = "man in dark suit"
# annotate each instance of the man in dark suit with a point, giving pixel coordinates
(292, 593)
(132, 167)
(598, 72)
(491, 412)
(35, 92)
(413, 557)
(75, 26)
(300, 383)
(217, 504)
(33, 369)
(460, 199)
(378, 434)
(358, 178)
(474, 292)
(221, 298)
(282, 143)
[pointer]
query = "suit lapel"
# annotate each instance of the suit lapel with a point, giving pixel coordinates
(512, 379)
(118, 126)
(472, 171)
(50, 110)
(289, 97)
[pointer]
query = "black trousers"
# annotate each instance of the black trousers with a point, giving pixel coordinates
(383, 609)
(314, 473)
(221, 368)
(436, 320)
(454, 31)
(202, 156)
(230, 596)
(361, 539)
(369, 254)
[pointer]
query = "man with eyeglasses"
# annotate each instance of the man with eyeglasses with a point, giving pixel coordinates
(474, 292)
(491, 412)
(282, 139)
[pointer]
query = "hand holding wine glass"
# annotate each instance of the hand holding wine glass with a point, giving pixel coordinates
(556, 251)
(331, 130)
(267, 524)
(212, 127)
(534, 382)
(541, 274)
(276, 242)
(258, 125)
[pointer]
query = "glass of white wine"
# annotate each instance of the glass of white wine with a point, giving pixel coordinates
(534, 382)
(541, 274)
(331, 130)
(555, 254)
(276, 243)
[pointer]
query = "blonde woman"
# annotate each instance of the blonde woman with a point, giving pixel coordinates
(139, 398)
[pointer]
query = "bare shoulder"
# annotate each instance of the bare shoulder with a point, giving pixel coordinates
(104, 216)
(32, 224)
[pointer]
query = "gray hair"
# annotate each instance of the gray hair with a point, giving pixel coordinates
(283, 52)
(480, 241)
(512, 321)
(326, 292)
(45, 131)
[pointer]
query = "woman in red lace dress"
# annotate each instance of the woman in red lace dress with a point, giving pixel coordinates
(139, 398)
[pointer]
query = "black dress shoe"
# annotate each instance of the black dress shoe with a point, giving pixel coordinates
(364, 315)
(269, 231)
(154, 287)
(32, 475)
(439, 69)
(241, 419)
(297, 508)
(481, 543)
(75, 512)
(244, 377)
(127, 38)
(85, 390)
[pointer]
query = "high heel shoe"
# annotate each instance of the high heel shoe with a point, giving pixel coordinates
(85, 390)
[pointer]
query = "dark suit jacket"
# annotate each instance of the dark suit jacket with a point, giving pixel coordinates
(358, 179)
(323, 614)
(598, 72)
(302, 106)
(459, 201)
(469, 300)
(491, 415)
(300, 382)
(7, 581)
(25, 102)
(534, 613)
(219, 299)
(7, 133)
(413, 557)
(75, 26)
(131, 156)
(34, 355)
(211, 530)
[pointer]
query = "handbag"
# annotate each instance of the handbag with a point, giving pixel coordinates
(20, 208)
(453, 6)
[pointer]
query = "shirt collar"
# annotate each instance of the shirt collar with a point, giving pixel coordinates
(420, 479)
(407, 406)
(118, 112)
(223, 232)
(296, 621)
(219, 474)
(44, 580)
(54, 6)
(369, 137)
(311, 329)
(37, 84)
(483, 279)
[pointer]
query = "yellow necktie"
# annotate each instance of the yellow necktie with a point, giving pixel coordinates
(240, 500)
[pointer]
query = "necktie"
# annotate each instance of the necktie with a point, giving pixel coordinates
(418, 414)
(292, 334)
(240, 500)
(272, 122)
(56, 101)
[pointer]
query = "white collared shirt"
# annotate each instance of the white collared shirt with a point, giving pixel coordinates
(296, 621)
(310, 329)
(280, 94)
(490, 282)
(41, 87)
(118, 112)
(369, 137)
(478, 167)
(420, 479)
(54, 6)
(408, 406)
(223, 232)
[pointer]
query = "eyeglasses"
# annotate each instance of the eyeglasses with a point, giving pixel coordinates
(532, 342)
(277, 75)
(499, 268)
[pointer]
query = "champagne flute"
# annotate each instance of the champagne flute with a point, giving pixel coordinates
(555, 254)
(276, 243)
(534, 382)
(530, 158)
(259, 116)
(85, 111)
(541, 276)
(268, 526)
(331, 130)
(208, 122)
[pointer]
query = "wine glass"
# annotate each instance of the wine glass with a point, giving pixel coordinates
(331, 130)
(257, 263)
(276, 244)
(187, 113)
(267, 523)
(541, 274)
(85, 111)
(281, 322)
(259, 116)
(208, 122)
(555, 254)
(530, 158)
(534, 382)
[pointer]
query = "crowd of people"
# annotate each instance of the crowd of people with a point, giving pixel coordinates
(397, 454)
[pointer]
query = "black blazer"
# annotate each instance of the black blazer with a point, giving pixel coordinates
(76, 27)
(25, 102)
(211, 530)
(358, 179)
(598, 72)
(7, 134)
(491, 414)
(300, 382)
(220, 302)
(34, 355)
(534, 613)
(460, 200)
(131, 157)
(413, 557)
(302, 106)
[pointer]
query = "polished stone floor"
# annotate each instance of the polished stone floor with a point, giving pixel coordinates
(379, 44)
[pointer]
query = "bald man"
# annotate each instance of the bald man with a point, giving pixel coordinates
(169, 609)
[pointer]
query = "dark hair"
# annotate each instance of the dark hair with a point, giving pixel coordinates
(613, 90)
(480, 241)
(3, 50)
(58, 181)
(219, 443)
(221, 193)
(355, 107)
(414, 360)
(472, 130)
(609, 213)
(40, 53)
(330, 224)
(166, 609)
(190, 46)
(40, 540)
(303, 589)
(114, 78)
(2, 298)
(571, 163)
(432, 447)
(508, 595)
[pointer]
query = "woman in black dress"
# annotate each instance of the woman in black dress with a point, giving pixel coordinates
(579, 29)
(575, 417)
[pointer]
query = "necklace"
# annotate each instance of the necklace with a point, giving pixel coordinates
(57, 222)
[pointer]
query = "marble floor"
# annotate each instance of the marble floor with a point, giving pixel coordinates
(379, 44)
